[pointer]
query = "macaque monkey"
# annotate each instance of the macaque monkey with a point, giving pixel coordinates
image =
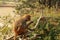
(20, 26)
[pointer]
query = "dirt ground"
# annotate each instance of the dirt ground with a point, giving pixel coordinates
(6, 10)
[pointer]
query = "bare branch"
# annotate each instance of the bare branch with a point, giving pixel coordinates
(37, 22)
(11, 38)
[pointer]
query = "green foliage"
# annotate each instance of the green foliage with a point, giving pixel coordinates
(48, 29)
(26, 6)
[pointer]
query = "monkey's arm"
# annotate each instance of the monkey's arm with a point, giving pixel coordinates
(29, 23)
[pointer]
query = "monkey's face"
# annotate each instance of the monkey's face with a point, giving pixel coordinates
(27, 17)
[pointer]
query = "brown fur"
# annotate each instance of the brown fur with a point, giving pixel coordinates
(20, 25)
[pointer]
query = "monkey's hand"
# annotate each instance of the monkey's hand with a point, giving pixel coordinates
(30, 22)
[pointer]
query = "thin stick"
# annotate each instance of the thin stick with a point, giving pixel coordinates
(37, 21)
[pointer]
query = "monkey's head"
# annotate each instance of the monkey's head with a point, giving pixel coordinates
(27, 17)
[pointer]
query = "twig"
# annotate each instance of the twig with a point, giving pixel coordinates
(37, 22)
(11, 38)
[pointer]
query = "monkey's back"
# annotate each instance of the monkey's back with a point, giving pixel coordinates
(19, 27)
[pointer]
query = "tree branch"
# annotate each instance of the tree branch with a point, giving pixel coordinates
(11, 38)
(37, 22)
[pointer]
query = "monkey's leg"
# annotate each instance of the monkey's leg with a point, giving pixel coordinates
(15, 37)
